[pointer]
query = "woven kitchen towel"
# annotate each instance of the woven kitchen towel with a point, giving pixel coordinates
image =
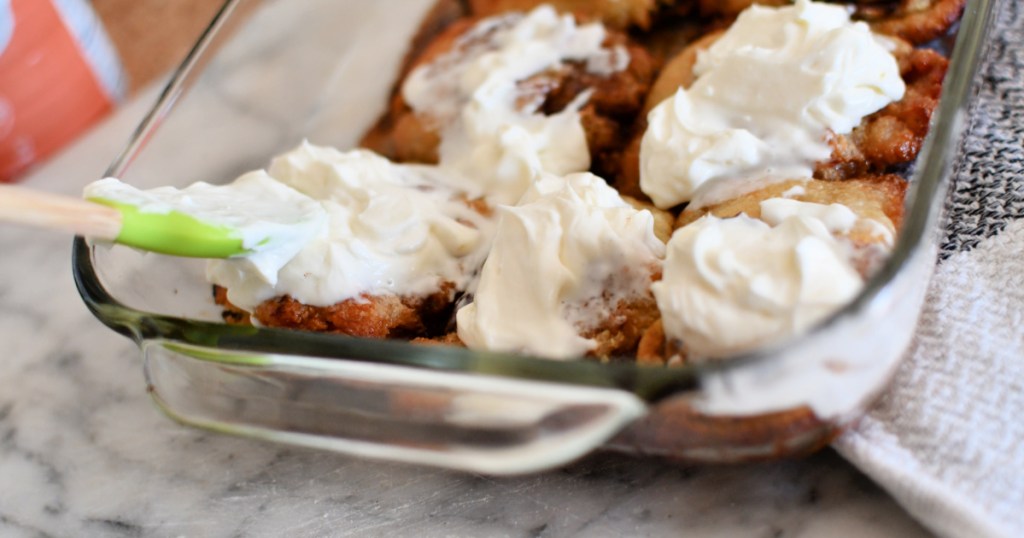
(948, 439)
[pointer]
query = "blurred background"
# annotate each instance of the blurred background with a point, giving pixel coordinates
(64, 64)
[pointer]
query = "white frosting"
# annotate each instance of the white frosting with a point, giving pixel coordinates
(884, 232)
(731, 285)
(561, 260)
(833, 372)
(837, 218)
(392, 229)
(272, 220)
(496, 140)
(766, 96)
(794, 191)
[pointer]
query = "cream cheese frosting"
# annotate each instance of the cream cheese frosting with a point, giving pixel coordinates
(273, 220)
(731, 285)
(499, 143)
(766, 97)
(391, 230)
(838, 218)
(560, 261)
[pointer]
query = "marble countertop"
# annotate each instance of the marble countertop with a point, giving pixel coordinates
(83, 452)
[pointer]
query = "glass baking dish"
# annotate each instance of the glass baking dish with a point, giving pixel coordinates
(264, 76)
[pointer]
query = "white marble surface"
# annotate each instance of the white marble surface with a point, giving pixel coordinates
(83, 452)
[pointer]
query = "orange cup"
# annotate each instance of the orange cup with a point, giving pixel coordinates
(58, 74)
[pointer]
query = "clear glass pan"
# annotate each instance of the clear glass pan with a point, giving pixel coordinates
(323, 72)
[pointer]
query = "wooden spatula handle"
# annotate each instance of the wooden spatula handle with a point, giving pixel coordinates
(25, 206)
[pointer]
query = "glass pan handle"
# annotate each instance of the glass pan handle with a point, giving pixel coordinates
(448, 419)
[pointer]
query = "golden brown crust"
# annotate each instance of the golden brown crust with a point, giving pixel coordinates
(381, 316)
(448, 339)
(916, 21)
(619, 334)
(618, 14)
(655, 349)
(879, 198)
(651, 350)
(893, 135)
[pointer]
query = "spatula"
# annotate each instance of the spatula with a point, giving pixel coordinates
(178, 227)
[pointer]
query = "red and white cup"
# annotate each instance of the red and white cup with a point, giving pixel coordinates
(59, 73)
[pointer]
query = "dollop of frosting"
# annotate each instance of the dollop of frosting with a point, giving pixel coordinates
(561, 261)
(272, 220)
(493, 132)
(731, 285)
(392, 230)
(766, 97)
(837, 218)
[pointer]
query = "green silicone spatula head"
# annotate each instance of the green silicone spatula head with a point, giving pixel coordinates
(253, 216)
(256, 218)
(176, 233)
